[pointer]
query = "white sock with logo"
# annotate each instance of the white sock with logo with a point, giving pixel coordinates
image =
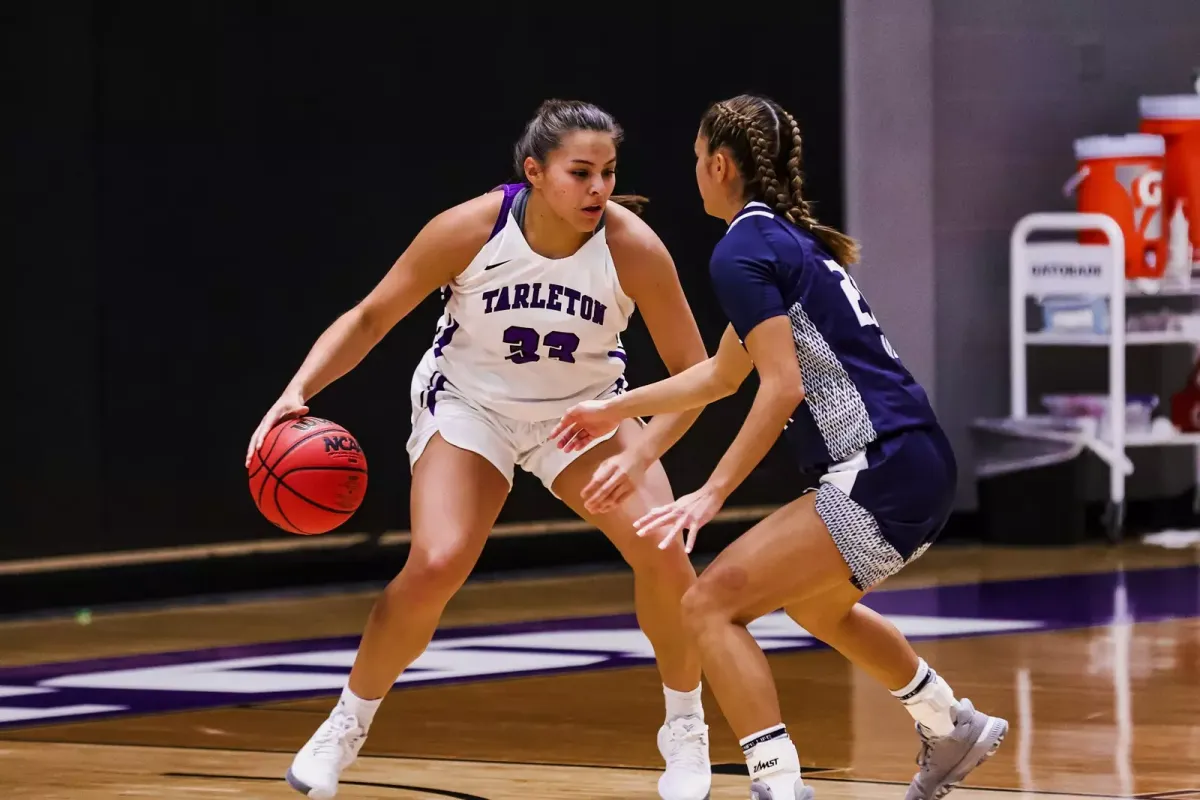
(771, 758)
(363, 710)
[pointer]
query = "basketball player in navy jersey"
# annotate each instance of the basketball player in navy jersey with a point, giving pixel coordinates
(850, 411)
(539, 279)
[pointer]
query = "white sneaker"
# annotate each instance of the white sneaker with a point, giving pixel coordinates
(683, 743)
(317, 767)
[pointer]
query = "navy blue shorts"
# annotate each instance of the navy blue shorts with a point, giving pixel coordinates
(887, 503)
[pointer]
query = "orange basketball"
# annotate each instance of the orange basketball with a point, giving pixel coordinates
(309, 476)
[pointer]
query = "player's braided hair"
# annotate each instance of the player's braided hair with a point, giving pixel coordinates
(753, 129)
(554, 120)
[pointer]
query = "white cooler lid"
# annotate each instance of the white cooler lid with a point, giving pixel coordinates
(1130, 145)
(1170, 106)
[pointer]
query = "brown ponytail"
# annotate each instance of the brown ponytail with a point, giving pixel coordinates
(634, 202)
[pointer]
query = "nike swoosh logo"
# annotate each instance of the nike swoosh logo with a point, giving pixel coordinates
(497, 264)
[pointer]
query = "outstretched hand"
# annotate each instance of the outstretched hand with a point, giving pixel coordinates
(584, 423)
(689, 513)
(614, 480)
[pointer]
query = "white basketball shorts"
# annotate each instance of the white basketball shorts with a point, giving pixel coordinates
(505, 442)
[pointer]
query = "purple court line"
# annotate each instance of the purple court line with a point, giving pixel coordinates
(1047, 604)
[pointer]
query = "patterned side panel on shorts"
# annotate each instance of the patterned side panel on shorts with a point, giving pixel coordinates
(832, 397)
(871, 557)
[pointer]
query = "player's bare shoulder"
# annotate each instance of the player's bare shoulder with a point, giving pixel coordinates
(444, 247)
(638, 255)
(626, 229)
(465, 228)
(630, 239)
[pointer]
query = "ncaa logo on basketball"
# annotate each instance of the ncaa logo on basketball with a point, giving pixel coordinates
(309, 477)
(342, 444)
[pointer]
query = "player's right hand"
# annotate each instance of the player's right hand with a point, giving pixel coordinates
(289, 406)
(583, 424)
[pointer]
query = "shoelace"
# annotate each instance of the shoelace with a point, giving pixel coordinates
(926, 747)
(334, 735)
(927, 741)
(683, 734)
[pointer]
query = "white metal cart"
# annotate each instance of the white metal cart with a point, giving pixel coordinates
(1039, 269)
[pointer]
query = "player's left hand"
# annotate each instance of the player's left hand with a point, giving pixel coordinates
(689, 513)
(614, 480)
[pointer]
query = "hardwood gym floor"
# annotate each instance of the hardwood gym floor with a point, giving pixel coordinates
(543, 688)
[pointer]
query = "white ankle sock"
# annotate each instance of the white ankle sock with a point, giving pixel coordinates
(362, 710)
(929, 700)
(683, 704)
(771, 757)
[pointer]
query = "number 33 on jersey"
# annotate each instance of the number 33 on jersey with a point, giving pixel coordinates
(527, 336)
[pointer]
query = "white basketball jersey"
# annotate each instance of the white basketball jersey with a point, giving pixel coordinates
(528, 336)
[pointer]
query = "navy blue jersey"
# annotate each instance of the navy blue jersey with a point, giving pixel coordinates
(855, 388)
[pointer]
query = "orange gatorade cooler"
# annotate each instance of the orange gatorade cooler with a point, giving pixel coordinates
(1121, 176)
(1176, 118)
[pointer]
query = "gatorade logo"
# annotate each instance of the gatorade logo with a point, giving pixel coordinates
(760, 766)
(1144, 186)
(1147, 208)
(1147, 188)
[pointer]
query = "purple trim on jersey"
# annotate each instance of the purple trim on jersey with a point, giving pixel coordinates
(444, 339)
(619, 354)
(511, 190)
(428, 388)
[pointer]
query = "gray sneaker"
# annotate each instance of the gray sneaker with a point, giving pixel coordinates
(945, 761)
(760, 791)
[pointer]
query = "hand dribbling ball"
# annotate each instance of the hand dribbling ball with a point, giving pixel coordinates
(309, 476)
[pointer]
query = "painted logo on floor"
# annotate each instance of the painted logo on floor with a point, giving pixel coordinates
(209, 678)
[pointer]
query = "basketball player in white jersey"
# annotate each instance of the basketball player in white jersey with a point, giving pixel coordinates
(540, 279)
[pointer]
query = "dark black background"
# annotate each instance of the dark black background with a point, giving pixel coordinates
(199, 188)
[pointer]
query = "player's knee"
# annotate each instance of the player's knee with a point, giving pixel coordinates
(644, 558)
(432, 576)
(703, 605)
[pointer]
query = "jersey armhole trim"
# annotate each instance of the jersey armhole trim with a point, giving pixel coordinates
(511, 190)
